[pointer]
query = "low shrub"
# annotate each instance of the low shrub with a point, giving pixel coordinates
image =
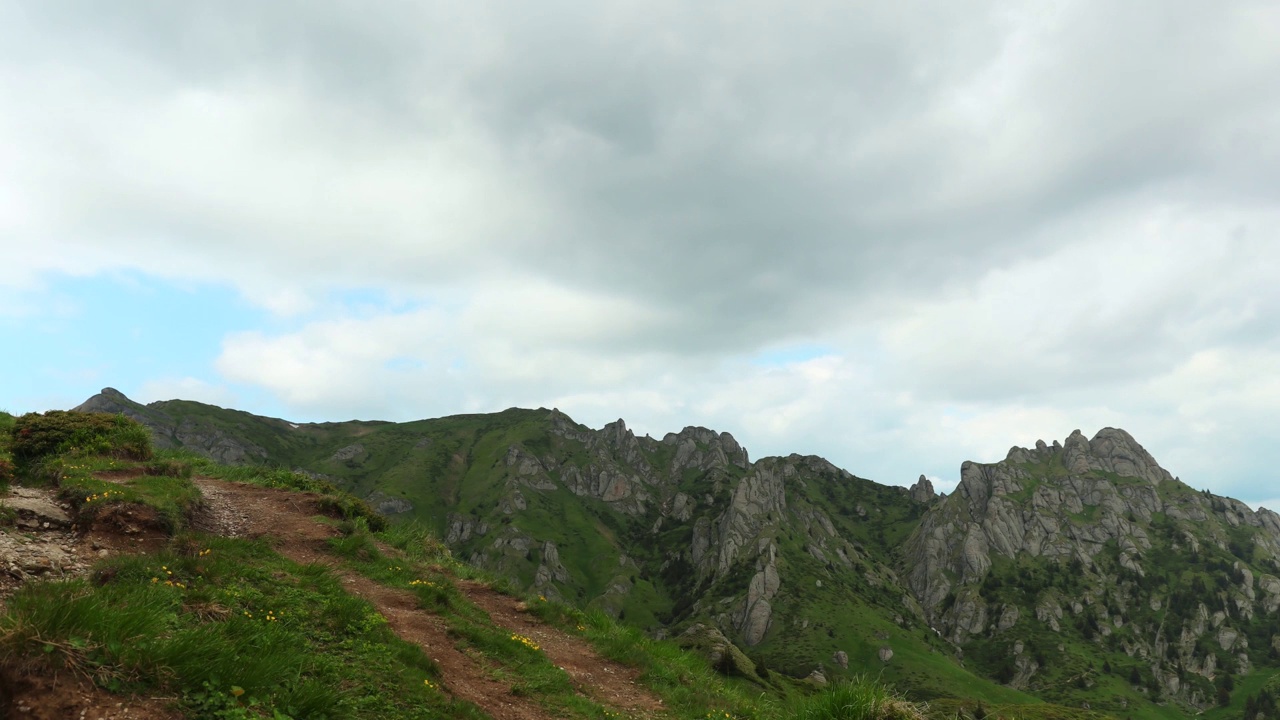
(35, 436)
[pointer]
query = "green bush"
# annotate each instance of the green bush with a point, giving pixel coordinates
(36, 436)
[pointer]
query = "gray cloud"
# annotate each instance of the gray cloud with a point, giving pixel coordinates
(995, 217)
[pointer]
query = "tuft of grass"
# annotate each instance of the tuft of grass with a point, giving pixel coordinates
(418, 542)
(861, 698)
(168, 468)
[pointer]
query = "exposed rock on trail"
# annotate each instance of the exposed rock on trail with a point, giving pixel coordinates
(41, 543)
(221, 516)
(35, 509)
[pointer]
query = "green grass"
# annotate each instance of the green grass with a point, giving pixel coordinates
(513, 659)
(858, 699)
(333, 500)
(687, 684)
(7, 468)
(457, 465)
(230, 629)
(214, 616)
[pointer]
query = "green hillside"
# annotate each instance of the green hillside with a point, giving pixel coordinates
(304, 616)
(633, 559)
(1078, 575)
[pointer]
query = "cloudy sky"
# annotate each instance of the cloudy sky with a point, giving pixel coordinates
(899, 235)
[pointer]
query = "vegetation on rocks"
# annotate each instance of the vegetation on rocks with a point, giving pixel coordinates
(1066, 580)
(6, 455)
(276, 625)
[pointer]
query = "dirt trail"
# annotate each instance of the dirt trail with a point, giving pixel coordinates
(287, 517)
(595, 676)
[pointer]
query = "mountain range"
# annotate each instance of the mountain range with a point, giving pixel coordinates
(1077, 572)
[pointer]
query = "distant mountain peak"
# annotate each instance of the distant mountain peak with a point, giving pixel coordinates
(1110, 450)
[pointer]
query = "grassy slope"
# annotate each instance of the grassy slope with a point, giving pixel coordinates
(460, 469)
(456, 465)
(234, 630)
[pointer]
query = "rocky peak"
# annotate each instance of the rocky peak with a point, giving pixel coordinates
(114, 401)
(702, 435)
(1111, 450)
(617, 433)
(196, 434)
(110, 400)
(623, 443)
(737, 454)
(565, 427)
(922, 490)
(1115, 450)
(704, 449)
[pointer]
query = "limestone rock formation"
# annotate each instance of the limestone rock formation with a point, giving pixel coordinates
(388, 505)
(1079, 527)
(757, 612)
(922, 491)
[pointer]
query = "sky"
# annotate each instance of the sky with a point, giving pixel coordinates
(897, 235)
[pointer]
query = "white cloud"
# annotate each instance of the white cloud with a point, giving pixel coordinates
(186, 388)
(1272, 504)
(999, 222)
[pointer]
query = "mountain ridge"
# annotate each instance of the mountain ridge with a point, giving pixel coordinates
(1059, 571)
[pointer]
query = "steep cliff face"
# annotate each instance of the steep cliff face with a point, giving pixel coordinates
(1091, 540)
(705, 527)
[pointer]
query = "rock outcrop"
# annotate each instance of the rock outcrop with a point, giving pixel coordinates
(922, 491)
(1086, 539)
(1079, 528)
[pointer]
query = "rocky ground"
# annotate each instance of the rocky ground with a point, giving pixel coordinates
(40, 542)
